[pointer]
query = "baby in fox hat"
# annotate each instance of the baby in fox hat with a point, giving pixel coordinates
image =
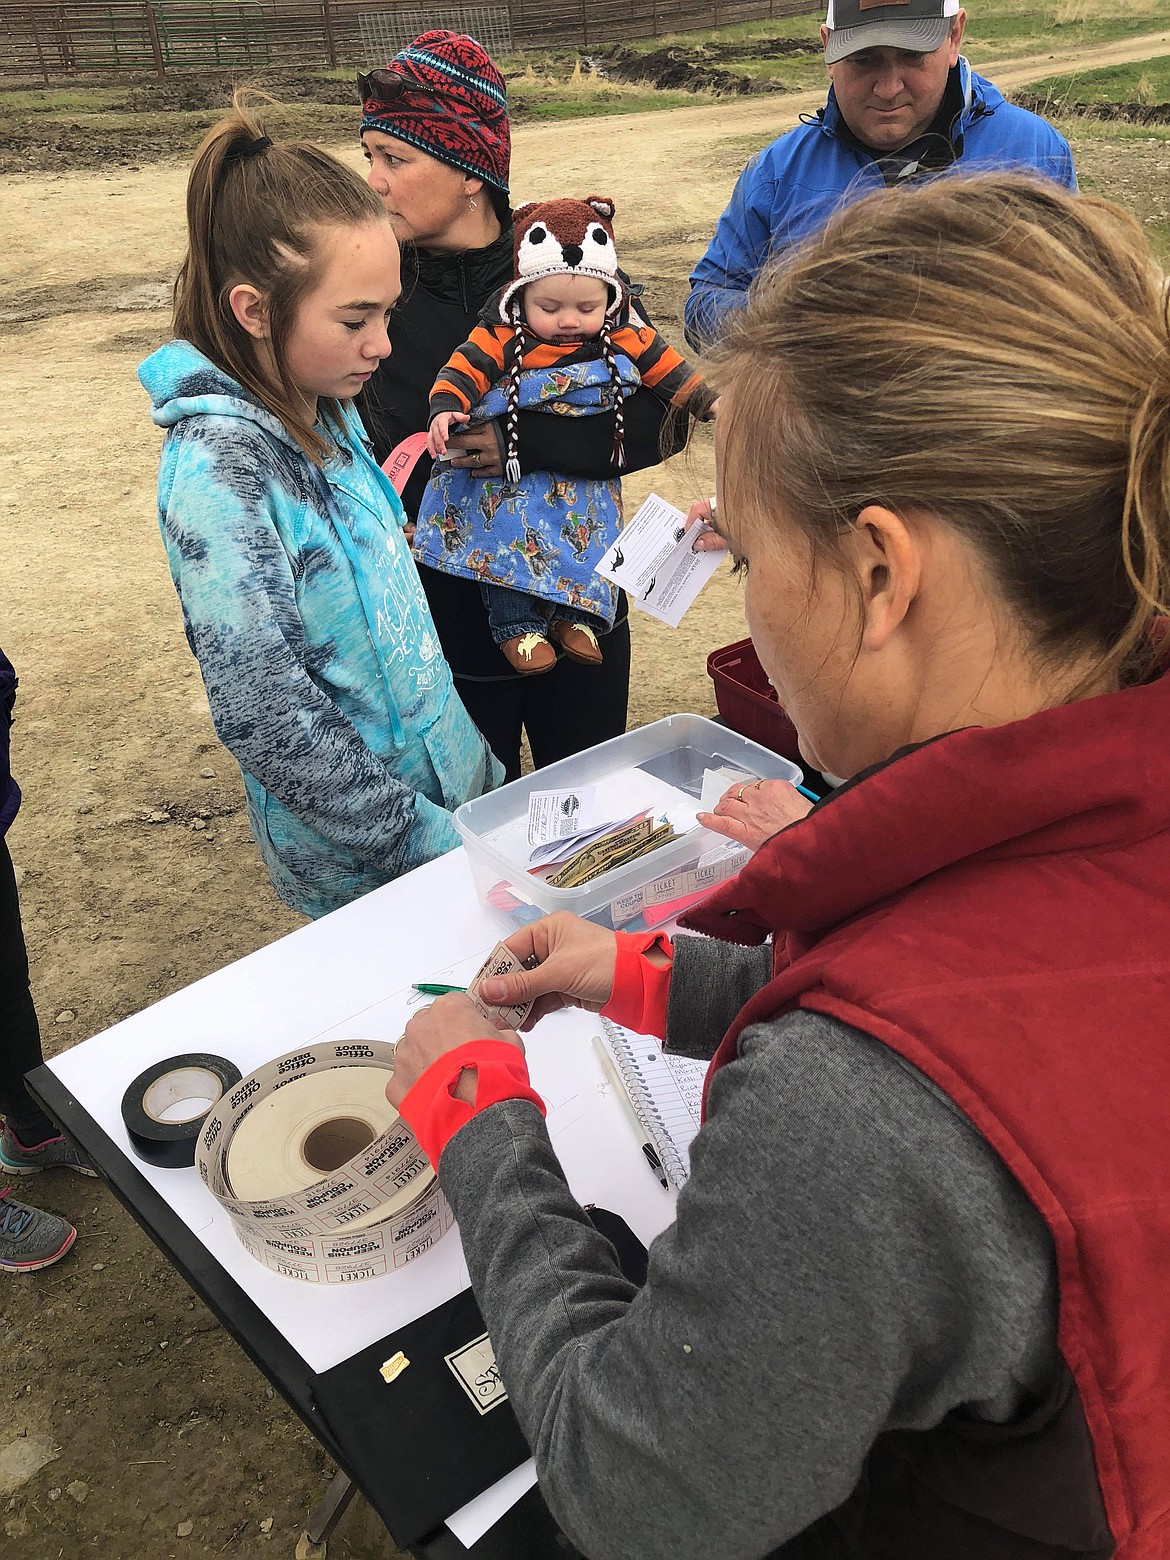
(564, 338)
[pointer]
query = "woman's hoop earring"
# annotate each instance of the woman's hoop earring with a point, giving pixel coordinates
(474, 204)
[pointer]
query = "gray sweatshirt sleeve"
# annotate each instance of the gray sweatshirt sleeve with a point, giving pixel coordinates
(710, 982)
(849, 1256)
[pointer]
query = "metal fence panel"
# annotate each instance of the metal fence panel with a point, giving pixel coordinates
(51, 38)
(385, 31)
(223, 33)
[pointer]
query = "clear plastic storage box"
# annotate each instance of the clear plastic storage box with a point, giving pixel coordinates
(660, 767)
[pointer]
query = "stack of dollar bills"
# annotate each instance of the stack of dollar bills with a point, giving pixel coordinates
(606, 851)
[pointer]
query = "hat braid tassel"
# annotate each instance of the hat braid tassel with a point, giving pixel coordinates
(619, 420)
(512, 417)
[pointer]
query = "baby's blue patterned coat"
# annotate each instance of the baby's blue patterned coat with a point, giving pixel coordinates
(320, 660)
(546, 534)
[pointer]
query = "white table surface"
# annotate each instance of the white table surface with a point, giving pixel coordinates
(349, 976)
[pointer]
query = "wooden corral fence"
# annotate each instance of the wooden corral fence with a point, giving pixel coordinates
(54, 38)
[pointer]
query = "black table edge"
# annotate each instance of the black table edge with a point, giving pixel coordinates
(208, 1280)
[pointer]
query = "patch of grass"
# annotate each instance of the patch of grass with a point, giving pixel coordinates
(1145, 82)
(61, 100)
(805, 28)
(581, 93)
(1001, 28)
(774, 74)
(1111, 131)
(786, 75)
(619, 98)
(1068, 11)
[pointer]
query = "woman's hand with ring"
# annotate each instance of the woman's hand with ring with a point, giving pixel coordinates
(752, 813)
(477, 449)
(449, 1022)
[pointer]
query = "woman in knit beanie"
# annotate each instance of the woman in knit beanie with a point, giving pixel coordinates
(435, 132)
(443, 97)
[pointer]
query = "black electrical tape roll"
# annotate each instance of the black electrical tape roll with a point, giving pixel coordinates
(192, 1077)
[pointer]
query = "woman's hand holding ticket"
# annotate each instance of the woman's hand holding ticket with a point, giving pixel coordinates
(573, 966)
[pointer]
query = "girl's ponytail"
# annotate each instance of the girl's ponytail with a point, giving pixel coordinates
(201, 311)
(254, 214)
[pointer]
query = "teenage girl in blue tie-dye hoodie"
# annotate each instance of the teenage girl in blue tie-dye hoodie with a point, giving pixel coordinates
(285, 540)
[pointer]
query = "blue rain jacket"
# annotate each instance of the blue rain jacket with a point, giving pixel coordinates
(793, 186)
(321, 663)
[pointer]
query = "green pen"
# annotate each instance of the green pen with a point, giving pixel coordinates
(429, 990)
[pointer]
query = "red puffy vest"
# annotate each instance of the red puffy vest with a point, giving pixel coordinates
(995, 907)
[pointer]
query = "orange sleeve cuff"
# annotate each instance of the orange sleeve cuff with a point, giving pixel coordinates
(640, 989)
(433, 1113)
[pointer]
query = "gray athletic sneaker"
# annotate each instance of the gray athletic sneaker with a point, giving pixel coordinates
(30, 1238)
(56, 1153)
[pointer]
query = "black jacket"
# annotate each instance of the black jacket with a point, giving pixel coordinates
(9, 790)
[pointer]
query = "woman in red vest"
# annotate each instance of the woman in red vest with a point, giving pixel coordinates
(914, 1303)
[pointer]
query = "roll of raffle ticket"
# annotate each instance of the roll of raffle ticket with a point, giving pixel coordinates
(322, 1180)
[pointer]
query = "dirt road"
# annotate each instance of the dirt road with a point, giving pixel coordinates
(138, 874)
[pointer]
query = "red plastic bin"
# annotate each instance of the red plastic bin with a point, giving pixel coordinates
(747, 701)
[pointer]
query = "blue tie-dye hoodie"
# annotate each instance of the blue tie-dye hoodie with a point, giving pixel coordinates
(320, 660)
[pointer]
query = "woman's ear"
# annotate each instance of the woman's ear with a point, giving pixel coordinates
(250, 308)
(472, 187)
(887, 556)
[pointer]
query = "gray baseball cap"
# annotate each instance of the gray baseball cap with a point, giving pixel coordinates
(919, 26)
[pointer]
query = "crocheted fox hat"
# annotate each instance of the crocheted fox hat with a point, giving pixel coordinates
(562, 238)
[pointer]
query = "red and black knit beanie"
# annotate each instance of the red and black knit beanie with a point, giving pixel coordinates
(443, 94)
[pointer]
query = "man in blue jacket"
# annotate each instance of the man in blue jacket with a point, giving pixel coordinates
(903, 104)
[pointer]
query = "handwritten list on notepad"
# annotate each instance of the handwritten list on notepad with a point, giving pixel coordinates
(666, 1093)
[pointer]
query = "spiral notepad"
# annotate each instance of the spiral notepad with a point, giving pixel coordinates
(665, 1091)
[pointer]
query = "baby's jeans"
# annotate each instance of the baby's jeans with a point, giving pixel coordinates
(513, 613)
